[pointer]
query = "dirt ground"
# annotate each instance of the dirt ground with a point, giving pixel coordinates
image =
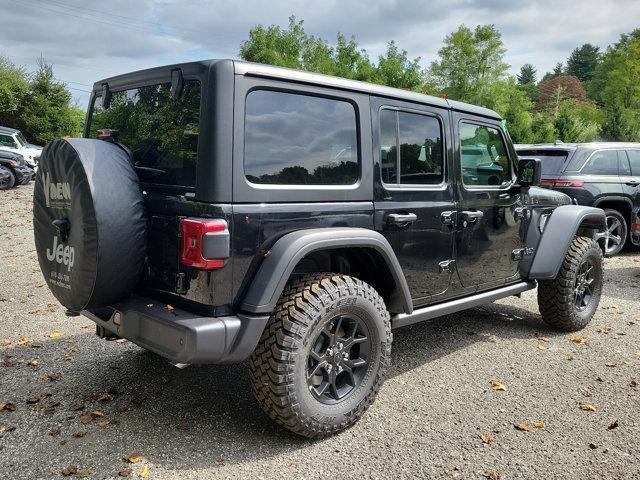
(570, 408)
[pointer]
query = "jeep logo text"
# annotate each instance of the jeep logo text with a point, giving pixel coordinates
(61, 254)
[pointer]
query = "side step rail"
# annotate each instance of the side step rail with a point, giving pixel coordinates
(452, 306)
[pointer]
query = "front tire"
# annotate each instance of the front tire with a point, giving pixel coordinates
(323, 354)
(569, 301)
(8, 181)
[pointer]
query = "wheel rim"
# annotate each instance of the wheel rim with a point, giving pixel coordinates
(584, 285)
(338, 359)
(613, 236)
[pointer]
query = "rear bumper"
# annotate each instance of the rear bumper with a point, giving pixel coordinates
(179, 335)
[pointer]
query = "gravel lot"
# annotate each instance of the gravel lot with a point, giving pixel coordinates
(202, 422)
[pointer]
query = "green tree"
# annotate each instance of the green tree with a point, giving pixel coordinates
(527, 74)
(47, 112)
(542, 128)
(558, 70)
(471, 62)
(583, 61)
(512, 102)
(14, 85)
(396, 70)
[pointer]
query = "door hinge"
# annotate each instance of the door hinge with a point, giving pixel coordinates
(520, 212)
(446, 266)
(520, 253)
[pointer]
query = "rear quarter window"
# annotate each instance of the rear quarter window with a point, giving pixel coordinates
(297, 139)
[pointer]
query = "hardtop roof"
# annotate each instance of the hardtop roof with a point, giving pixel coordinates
(268, 71)
(574, 146)
(8, 130)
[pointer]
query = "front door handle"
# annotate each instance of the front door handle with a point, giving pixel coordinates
(401, 218)
(632, 183)
(471, 216)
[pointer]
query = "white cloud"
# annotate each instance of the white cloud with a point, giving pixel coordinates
(87, 41)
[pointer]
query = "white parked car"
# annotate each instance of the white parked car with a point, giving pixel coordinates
(12, 140)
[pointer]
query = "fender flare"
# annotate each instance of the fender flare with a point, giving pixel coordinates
(557, 236)
(269, 282)
(614, 198)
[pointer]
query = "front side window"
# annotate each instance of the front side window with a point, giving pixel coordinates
(295, 139)
(7, 141)
(634, 160)
(418, 139)
(604, 162)
(483, 156)
(161, 131)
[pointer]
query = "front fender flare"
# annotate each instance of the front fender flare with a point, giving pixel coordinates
(561, 227)
(274, 271)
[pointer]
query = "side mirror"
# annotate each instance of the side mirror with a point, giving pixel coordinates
(529, 172)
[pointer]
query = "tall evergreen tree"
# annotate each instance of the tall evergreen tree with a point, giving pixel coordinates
(583, 61)
(527, 74)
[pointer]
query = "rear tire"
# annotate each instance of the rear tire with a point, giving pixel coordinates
(323, 354)
(615, 237)
(9, 182)
(569, 301)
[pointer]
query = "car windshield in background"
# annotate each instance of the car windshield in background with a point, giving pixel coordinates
(552, 160)
(162, 132)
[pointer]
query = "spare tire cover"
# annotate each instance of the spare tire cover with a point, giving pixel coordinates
(89, 222)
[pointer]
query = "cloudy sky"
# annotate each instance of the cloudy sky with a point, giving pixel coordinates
(88, 40)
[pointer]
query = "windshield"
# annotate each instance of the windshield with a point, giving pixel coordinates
(21, 139)
(162, 132)
(552, 160)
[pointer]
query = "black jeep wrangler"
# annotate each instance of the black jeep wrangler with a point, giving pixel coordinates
(233, 211)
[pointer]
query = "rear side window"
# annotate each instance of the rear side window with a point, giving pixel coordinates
(483, 156)
(418, 139)
(294, 139)
(162, 132)
(552, 160)
(634, 160)
(7, 141)
(604, 162)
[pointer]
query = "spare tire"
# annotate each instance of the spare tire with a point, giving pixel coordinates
(89, 222)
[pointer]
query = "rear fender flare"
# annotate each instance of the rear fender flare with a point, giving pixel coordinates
(274, 272)
(559, 230)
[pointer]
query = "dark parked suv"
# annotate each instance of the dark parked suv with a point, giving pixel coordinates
(238, 211)
(604, 175)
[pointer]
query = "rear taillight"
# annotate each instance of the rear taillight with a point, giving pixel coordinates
(205, 243)
(562, 183)
(635, 228)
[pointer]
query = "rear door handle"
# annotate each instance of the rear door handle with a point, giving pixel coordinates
(632, 183)
(471, 216)
(401, 218)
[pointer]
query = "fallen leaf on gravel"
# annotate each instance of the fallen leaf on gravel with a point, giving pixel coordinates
(54, 376)
(633, 383)
(9, 428)
(541, 347)
(497, 386)
(486, 438)
(97, 413)
(76, 407)
(587, 407)
(10, 407)
(525, 427)
(637, 354)
(35, 311)
(125, 472)
(79, 434)
(543, 339)
(34, 363)
(170, 308)
(135, 458)
(144, 471)
(610, 364)
(580, 340)
(52, 307)
(32, 400)
(493, 475)
(402, 408)
(613, 425)
(122, 340)
(22, 341)
(122, 408)
(54, 432)
(569, 358)
(5, 342)
(67, 358)
(105, 398)
(604, 330)
(8, 362)
(55, 335)
(36, 344)
(86, 418)
(70, 470)
(103, 423)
